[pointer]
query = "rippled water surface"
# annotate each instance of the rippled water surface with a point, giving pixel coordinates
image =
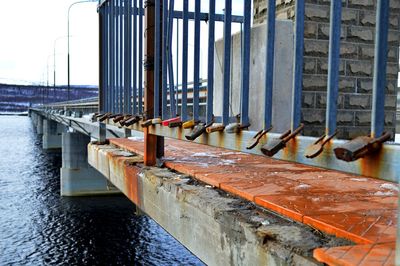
(38, 227)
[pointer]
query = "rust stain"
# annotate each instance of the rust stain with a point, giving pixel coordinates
(179, 132)
(371, 165)
(238, 140)
(291, 149)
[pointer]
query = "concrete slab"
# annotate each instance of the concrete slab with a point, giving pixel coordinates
(361, 209)
(218, 228)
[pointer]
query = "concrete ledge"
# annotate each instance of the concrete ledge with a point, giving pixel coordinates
(218, 228)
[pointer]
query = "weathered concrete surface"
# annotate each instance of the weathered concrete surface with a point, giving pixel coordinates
(216, 227)
(78, 178)
(52, 132)
(283, 65)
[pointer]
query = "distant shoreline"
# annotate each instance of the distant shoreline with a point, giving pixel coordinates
(14, 114)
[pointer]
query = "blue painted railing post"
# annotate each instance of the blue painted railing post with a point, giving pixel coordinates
(185, 33)
(227, 61)
(379, 80)
(333, 67)
(196, 61)
(210, 73)
(298, 65)
(244, 118)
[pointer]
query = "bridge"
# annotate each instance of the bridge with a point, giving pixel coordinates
(232, 185)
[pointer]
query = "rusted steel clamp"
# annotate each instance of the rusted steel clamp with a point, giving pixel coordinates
(118, 118)
(198, 130)
(360, 147)
(275, 145)
(254, 140)
(104, 117)
(175, 124)
(132, 120)
(151, 122)
(190, 124)
(317, 147)
(215, 128)
(171, 120)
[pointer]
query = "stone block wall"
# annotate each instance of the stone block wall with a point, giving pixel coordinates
(356, 66)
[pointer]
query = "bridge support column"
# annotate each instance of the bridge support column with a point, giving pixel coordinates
(52, 132)
(78, 178)
(39, 125)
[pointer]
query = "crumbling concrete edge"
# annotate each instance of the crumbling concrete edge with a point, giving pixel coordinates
(216, 227)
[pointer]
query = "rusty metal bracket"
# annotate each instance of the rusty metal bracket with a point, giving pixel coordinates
(360, 147)
(132, 120)
(175, 124)
(171, 120)
(151, 122)
(254, 141)
(275, 145)
(104, 117)
(118, 118)
(215, 128)
(317, 147)
(190, 124)
(198, 130)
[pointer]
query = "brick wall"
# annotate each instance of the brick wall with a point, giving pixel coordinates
(356, 66)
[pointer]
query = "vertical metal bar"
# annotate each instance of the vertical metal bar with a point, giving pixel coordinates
(244, 118)
(227, 61)
(134, 63)
(150, 141)
(140, 59)
(129, 57)
(157, 44)
(117, 69)
(379, 80)
(196, 61)
(112, 57)
(170, 60)
(177, 67)
(121, 56)
(298, 65)
(164, 59)
(101, 59)
(210, 67)
(126, 56)
(108, 59)
(185, 34)
(333, 67)
(102, 65)
(269, 64)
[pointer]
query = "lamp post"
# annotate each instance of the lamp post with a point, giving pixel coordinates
(54, 61)
(68, 60)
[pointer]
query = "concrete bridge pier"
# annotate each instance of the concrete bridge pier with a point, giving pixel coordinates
(39, 125)
(52, 132)
(78, 178)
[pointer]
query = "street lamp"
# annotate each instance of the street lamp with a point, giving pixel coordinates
(68, 62)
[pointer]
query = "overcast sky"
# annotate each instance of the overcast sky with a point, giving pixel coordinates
(31, 29)
(28, 32)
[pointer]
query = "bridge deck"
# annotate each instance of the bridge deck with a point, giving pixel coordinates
(357, 208)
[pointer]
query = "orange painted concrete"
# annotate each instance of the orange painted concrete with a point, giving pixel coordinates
(358, 208)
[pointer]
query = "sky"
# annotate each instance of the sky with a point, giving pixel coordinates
(31, 30)
(34, 40)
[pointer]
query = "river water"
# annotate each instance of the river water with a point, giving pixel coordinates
(38, 227)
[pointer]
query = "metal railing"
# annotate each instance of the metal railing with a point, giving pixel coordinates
(124, 62)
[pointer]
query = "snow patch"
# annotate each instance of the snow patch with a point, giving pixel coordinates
(303, 186)
(204, 154)
(386, 193)
(135, 138)
(389, 186)
(359, 179)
